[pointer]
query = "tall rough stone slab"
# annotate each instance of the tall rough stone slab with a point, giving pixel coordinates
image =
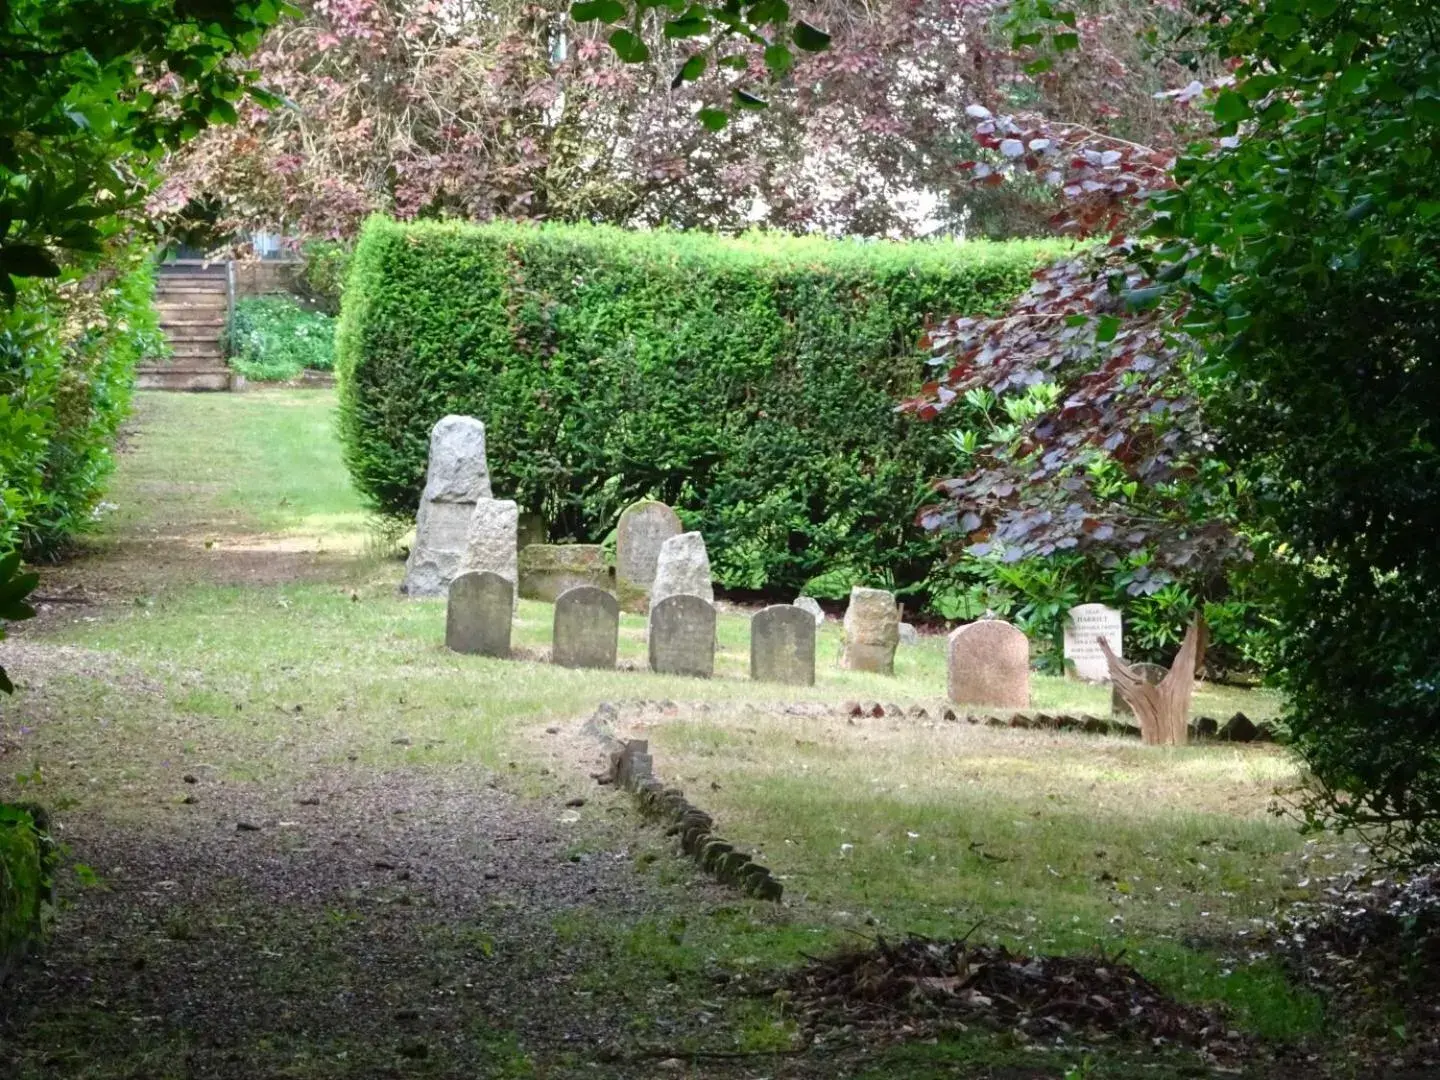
(643, 528)
(478, 614)
(1085, 625)
(782, 646)
(682, 636)
(872, 630)
(587, 628)
(457, 476)
(492, 539)
(548, 570)
(683, 569)
(989, 665)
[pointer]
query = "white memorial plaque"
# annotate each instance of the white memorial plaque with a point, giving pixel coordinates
(1084, 627)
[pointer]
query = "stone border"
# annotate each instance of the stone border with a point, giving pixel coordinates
(630, 766)
(1239, 728)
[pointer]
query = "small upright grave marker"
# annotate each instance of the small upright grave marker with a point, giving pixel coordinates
(872, 630)
(1084, 627)
(643, 527)
(782, 646)
(477, 616)
(989, 665)
(587, 628)
(682, 636)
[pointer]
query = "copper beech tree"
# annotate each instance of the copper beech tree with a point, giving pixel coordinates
(1121, 466)
(841, 118)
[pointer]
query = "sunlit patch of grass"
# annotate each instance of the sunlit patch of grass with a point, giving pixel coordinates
(1046, 842)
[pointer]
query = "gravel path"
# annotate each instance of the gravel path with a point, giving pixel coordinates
(405, 923)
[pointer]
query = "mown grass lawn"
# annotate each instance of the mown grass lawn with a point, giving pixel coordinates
(252, 599)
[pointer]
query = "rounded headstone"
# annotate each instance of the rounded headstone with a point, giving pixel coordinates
(908, 634)
(782, 646)
(478, 614)
(683, 569)
(989, 665)
(587, 628)
(643, 527)
(682, 636)
(872, 630)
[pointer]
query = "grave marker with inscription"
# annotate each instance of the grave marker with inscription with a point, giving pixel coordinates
(587, 628)
(782, 646)
(1085, 625)
(644, 526)
(682, 636)
(989, 665)
(478, 614)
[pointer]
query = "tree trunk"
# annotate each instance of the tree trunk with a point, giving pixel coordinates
(1163, 710)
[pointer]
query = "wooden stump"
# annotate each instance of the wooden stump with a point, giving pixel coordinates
(1163, 710)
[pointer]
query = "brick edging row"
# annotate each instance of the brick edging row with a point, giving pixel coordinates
(629, 766)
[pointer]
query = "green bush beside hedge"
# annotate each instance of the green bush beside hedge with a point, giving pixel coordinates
(274, 339)
(751, 383)
(68, 351)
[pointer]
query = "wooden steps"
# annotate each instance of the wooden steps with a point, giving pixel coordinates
(193, 302)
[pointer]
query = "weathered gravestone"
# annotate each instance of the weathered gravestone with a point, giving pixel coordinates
(908, 634)
(872, 630)
(477, 617)
(490, 540)
(1085, 625)
(810, 604)
(643, 527)
(587, 628)
(683, 568)
(782, 646)
(1154, 674)
(457, 476)
(547, 570)
(989, 665)
(682, 636)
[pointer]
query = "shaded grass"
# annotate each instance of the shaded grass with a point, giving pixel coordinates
(1041, 841)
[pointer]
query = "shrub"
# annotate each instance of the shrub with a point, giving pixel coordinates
(68, 351)
(323, 276)
(26, 868)
(273, 339)
(751, 383)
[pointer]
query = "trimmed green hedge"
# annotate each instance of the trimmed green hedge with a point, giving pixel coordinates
(751, 383)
